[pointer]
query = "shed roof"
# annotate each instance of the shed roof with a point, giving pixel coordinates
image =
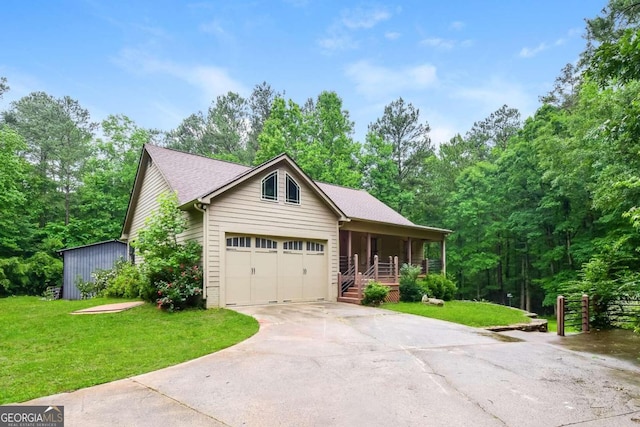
(90, 244)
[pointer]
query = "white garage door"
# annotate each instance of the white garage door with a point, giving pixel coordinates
(262, 270)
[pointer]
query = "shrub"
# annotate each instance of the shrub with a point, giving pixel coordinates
(102, 279)
(87, 289)
(409, 289)
(375, 294)
(182, 292)
(126, 283)
(605, 280)
(170, 269)
(438, 286)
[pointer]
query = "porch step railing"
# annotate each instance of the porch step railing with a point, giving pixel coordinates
(347, 279)
(352, 279)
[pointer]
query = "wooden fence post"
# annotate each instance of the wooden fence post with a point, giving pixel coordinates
(560, 315)
(585, 313)
(359, 281)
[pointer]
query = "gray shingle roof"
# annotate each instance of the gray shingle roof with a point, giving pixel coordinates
(190, 175)
(362, 205)
(193, 176)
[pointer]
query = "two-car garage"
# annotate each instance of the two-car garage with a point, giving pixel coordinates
(267, 269)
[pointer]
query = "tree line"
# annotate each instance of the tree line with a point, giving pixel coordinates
(538, 207)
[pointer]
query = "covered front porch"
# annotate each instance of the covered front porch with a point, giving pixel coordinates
(376, 251)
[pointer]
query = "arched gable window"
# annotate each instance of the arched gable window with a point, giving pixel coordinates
(270, 186)
(293, 191)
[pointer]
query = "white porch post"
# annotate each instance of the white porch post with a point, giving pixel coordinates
(443, 255)
(409, 251)
(368, 250)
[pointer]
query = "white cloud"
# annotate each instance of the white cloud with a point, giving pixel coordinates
(392, 35)
(574, 32)
(560, 42)
(210, 80)
(438, 43)
(441, 134)
(213, 27)
(494, 93)
(337, 40)
(376, 81)
(363, 18)
(526, 52)
(339, 36)
(457, 25)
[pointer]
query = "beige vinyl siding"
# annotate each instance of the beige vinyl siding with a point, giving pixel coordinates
(241, 210)
(153, 184)
(194, 227)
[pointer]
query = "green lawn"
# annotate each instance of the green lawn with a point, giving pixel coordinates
(470, 313)
(45, 350)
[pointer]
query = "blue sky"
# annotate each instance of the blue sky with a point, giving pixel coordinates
(159, 61)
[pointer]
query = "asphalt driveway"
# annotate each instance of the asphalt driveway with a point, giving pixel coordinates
(334, 364)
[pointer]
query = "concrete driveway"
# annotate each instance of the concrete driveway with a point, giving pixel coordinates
(334, 364)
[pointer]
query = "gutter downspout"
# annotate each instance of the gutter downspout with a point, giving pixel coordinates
(202, 207)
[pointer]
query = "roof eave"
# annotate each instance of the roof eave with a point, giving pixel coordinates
(442, 231)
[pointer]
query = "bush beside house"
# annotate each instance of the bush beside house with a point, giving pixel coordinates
(412, 287)
(375, 294)
(170, 276)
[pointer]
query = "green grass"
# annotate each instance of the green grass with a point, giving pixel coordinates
(470, 313)
(552, 323)
(44, 350)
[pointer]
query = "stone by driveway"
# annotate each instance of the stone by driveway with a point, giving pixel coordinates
(335, 364)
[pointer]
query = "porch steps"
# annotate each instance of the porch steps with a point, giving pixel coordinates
(349, 300)
(351, 294)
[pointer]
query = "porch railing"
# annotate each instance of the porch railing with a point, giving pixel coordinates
(344, 264)
(384, 272)
(430, 266)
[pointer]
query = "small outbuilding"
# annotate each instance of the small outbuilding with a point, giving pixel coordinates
(81, 261)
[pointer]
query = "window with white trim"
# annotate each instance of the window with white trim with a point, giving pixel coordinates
(292, 245)
(266, 243)
(239, 242)
(315, 247)
(293, 191)
(270, 186)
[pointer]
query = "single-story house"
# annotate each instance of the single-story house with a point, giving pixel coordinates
(271, 234)
(80, 261)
